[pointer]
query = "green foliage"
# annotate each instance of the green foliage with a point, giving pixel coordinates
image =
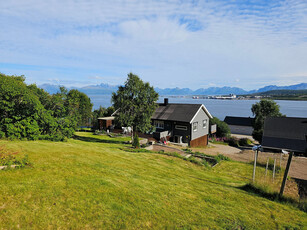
(222, 129)
(79, 107)
(221, 157)
(245, 142)
(28, 112)
(263, 109)
(101, 112)
(208, 160)
(136, 141)
(8, 158)
(136, 101)
(233, 141)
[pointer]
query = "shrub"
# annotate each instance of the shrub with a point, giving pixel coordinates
(222, 129)
(221, 157)
(232, 141)
(136, 142)
(244, 142)
(8, 158)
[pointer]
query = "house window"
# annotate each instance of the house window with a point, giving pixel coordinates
(159, 124)
(195, 124)
(181, 127)
(204, 124)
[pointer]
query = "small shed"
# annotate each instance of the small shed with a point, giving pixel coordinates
(240, 125)
(105, 122)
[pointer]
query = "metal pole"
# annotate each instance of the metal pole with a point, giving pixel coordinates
(282, 188)
(274, 169)
(280, 159)
(255, 163)
(266, 167)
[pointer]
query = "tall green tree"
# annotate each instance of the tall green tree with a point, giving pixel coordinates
(263, 109)
(136, 101)
(79, 106)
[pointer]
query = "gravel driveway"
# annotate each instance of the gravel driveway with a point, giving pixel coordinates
(298, 167)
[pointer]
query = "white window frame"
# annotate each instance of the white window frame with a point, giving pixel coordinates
(159, 124)
(195, 126)
(181, 127)
(205, 123)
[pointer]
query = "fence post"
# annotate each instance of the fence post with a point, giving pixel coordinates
(282, 188)
(266, 167)
(274, 169)
(255, 164)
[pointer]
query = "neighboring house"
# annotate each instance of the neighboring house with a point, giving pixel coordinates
(105, 122)
(288, 133)
(182, 123)
(240, 125)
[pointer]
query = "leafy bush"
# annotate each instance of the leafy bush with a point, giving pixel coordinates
(221, 157)
(222, 129)
(233, 141)
(30, 113)
(8, 158)
(245, 142)
(136, 141)
(187, 150)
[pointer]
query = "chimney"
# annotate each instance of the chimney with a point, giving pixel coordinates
(165, 101)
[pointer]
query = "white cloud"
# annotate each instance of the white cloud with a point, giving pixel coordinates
(189, 43)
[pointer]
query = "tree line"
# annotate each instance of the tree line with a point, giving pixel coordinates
(28, 112)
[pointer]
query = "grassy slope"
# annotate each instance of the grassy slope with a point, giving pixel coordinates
(90, 183)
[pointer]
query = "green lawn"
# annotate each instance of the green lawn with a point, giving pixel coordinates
(89, 183)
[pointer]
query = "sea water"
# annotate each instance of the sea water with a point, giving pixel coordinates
(221, 108)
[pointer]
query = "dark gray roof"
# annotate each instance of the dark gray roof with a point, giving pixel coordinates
(242, 121)
(176, 112)
(288, 133)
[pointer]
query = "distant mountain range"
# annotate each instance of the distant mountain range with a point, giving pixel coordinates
(106, 89)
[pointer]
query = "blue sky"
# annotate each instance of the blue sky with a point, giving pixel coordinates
(195, 44)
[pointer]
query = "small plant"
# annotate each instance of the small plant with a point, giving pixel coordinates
(8, 158)
(97, 132)
(136, 141)
(187, 150)
(244, 142)
(234, 142)
(221, 157)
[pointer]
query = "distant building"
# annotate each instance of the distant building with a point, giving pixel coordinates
(182, 123)
(105, 122)
(240, 125)
(288, 133)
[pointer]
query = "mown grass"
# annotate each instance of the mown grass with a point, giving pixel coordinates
(89, 182)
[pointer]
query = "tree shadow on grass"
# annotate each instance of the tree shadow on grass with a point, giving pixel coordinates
(96, 140)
